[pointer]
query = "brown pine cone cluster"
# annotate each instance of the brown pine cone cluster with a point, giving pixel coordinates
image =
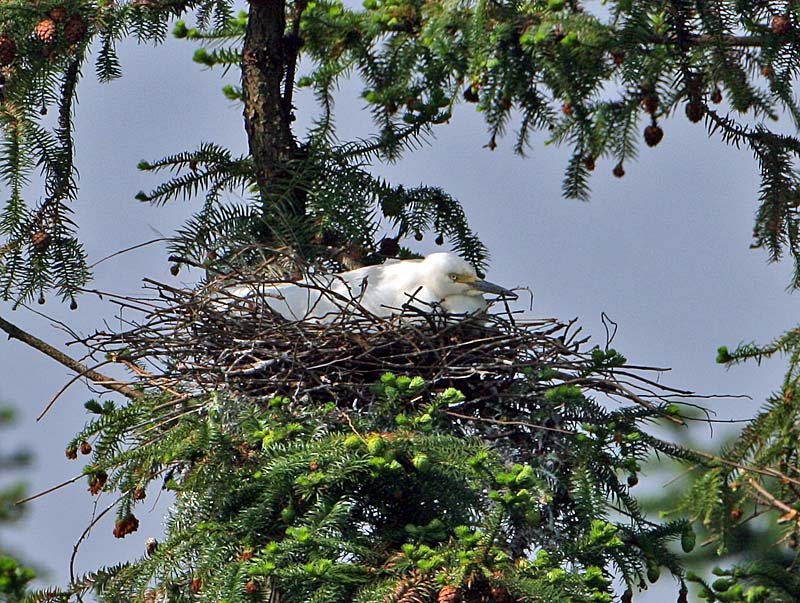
(127, 525)
(97, 481)
(48, 29)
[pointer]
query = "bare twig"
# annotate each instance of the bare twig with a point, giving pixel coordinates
(14, 332)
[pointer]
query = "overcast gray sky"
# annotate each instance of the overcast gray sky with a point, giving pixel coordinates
(663, 251)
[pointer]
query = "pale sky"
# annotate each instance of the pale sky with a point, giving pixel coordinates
(663, 251)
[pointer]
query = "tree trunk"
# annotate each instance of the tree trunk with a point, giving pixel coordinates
(267, 113)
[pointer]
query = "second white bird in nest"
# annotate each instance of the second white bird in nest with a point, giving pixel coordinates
(441, 281)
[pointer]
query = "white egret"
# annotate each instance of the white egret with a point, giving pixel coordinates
(407, 287)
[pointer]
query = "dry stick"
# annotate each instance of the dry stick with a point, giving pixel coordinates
(771, 500)
(501, 422)
(14, 332)
(83, 537)
(65, 388)
(49, 490)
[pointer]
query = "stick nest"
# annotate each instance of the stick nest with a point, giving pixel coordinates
(196, 341)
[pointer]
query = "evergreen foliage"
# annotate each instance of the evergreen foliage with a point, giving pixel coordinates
(755, 478)
(14, 577)
(397, 499)
(406, 490)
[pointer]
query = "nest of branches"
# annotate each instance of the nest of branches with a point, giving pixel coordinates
(201, 341)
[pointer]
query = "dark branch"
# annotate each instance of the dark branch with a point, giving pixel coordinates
(14, 332)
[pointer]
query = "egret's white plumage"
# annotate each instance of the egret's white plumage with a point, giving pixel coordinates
(441, 280)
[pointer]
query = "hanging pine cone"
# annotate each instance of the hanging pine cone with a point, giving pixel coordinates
(40, 240)
(75, 29)
(695, 111)
(58, 14)
(618, 170)
(96, 482)
(650, 103)
(471, 94)
(389, 247)
(588, 161)
(716, 96)
(86, 448)
(449, 594)
(8, 50)
(653, 135)
(127, 525)
(46, 31)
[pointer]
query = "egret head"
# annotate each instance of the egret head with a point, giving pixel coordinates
(446, 275)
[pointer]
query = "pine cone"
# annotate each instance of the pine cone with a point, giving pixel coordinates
(449, 594)
(471, 94)
(127, 525)
(618, 170)
(75, 29)
(588, 161)
(650, 103)
(96, 483)
(58, 14)
(781, 24)
(8, 50)
(389, 247)
(716, 96)
(46, 31)
(40, 240)
(695, 111)
(86, 447)
(653, 135)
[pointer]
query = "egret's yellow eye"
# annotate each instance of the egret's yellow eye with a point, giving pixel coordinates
(454, 277)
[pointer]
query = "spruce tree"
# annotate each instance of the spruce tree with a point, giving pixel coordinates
(14, 576)
(409, 489)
